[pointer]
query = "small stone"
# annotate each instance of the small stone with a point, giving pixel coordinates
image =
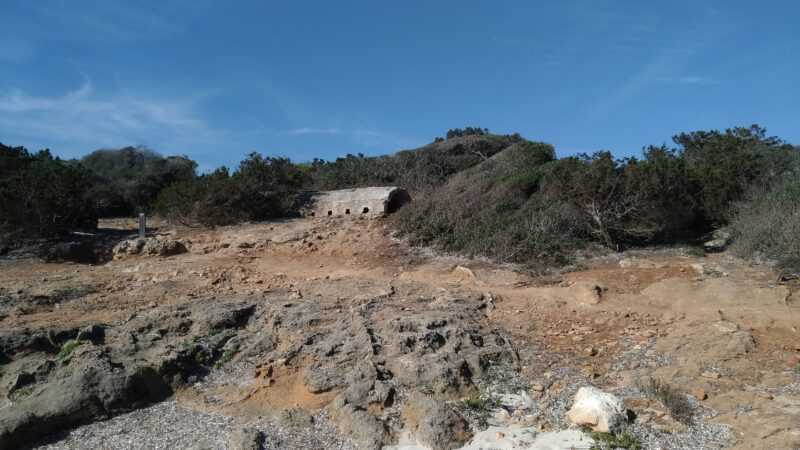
(589, 372)
(537, 387)
(710, 375)
(246, 438)
(590, 351)
(700, 394)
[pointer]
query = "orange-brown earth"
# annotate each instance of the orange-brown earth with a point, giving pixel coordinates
(711, 326)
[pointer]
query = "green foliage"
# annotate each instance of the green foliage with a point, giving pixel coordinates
(415, 170)
(261, 188)
(493, 209)
(624, 440)
(67, 349)
(41, 195)
(468, 131)
(226, 357)
(626, 201)
(478, 403)
(128, 180)
(725, 165)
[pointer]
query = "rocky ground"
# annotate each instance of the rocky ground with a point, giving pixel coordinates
(334, 334)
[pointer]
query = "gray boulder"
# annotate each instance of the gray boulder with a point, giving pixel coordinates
(434, 424)
(148, 247)
(720, 239)
(91, 389)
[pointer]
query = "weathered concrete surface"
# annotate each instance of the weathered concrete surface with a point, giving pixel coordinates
(361, 202)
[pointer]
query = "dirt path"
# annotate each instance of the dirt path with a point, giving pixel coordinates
(715, 328)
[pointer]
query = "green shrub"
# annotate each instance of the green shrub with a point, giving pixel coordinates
(627, 201)
(67, 349)
(725, 165)
(260, 189)
(492, 209)
(624, 440)
(41, 195)
(127, 180)
(416, 170)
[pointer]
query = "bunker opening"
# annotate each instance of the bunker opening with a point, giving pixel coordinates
(397, 199)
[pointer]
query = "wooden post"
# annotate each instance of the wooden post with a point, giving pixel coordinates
(142, 225)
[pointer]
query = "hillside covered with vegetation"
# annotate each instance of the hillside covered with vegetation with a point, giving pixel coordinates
(476, 193)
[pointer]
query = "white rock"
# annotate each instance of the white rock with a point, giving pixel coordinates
(596, 409)
(511, 438)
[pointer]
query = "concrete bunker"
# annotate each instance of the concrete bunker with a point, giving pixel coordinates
(369, 202)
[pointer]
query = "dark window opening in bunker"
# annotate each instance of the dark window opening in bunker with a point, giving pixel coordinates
(347, 211)
(330, 213)
(365, 210)
(397, 199)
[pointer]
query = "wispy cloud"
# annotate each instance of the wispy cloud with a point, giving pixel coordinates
(669, 60)
(85, 117)
(314, 130)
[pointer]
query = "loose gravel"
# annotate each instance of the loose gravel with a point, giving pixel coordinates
(168, 425)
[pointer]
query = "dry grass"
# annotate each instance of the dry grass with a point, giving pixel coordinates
(672, 398)
(767, 225)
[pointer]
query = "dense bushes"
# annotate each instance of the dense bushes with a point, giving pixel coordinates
(415, 170)
(261, 188)
(475, 193)
(767, 224)
(41, 195)
(518, 206)
(724, 165)
(625, 201)
(492, 209)
(128, 180)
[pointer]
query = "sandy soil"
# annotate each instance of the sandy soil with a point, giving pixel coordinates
(713, 326)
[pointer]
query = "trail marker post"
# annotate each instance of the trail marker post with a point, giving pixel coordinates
(142, 225)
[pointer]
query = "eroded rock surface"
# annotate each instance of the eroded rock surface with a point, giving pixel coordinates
(342, 337)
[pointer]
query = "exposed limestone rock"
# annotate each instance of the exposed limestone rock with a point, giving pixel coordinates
(148, 247)
(434, 424)
(720, 239)
(596, 409)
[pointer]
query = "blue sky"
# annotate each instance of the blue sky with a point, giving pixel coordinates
(217, 80)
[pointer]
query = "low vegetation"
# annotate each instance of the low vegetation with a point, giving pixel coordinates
(524, 205)
(766, 225)
(478, 403)
(475, 193)
(40, 195)
(128, 180)
(675, 401)
(623, 440)
(261, 188)
(67, 349)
